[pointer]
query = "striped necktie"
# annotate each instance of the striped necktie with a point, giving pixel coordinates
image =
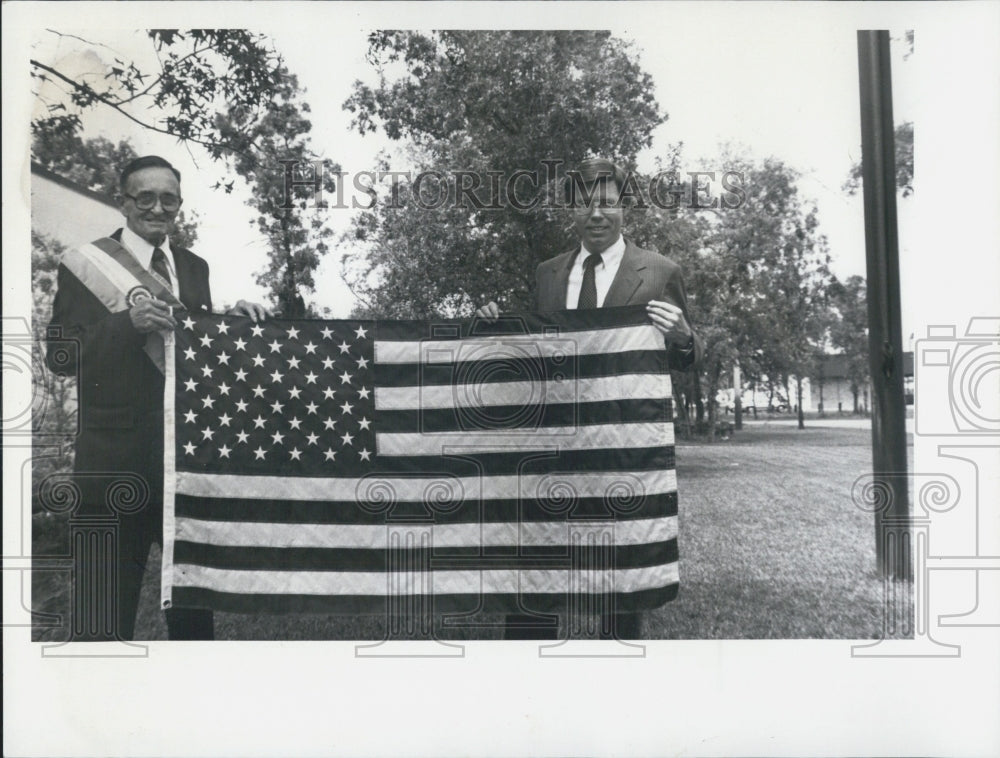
(160, 268)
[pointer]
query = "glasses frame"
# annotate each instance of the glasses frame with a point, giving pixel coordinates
(158, 198)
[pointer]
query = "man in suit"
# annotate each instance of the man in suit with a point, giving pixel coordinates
(116, 297)
(606, 270)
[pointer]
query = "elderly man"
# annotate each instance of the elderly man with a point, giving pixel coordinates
(606, 270)
(117, 297)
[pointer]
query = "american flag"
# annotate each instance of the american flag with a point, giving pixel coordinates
(327, 466)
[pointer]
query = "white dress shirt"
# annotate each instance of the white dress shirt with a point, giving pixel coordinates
(143, 252)
(604, 272)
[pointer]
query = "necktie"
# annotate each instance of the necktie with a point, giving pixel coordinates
(588, 290)
(160, 267)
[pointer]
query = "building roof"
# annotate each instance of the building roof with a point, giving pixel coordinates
(38, 168)
(835, 366)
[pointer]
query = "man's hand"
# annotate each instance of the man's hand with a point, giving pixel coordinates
(151, 315)
(489, 312)
(254, 311)
(669, 320)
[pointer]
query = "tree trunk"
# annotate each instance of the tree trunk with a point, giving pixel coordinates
(798, 393)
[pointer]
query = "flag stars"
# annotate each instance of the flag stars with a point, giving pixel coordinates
(206, 433)
(347, 438)
(327, 333)
(224, 419)
(364, 423)
(241, 344)
(361, 332)
(223, 327)
(275, 346)
(188, 323)
(189, 354)
(223, 358)
(190, 385)
(311, 408)
(259, 453)
(208, 401)
(277, 437)
(329, 454)
(276, 376)
(294, 393)
(224, 451)
(241, 375)
(310, 348)
(257, 330)
(328, 393)
(258, 423)
(206, 371)
(346, 408)
(258, 391)
(363, 393)
(362, 363)
(293, 333)
(276, 406)
(295, 454)
(224, 388)
(311, 378)
(293, 362)
(241, 437)
(190, 417)
(206, 341)
(344, 347)
(294, 422)
(241, 406)
(345, 378)
(365, 454)
(329, 423)
(328, 363)
(312, 438)
(258, 360)
(189, 448)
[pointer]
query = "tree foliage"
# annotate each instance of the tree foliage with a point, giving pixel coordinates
(849, 330)
(903, 138)
(480, 102)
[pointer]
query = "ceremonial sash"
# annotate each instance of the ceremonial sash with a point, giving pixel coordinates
(118, 280)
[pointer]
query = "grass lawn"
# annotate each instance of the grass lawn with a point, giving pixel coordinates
(771, 544)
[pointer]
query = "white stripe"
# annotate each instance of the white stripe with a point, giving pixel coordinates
(567, 345)
(597, 437)
(522, 394)
(169, 470)
(386, 489)
(120, 276)
(375, 536)
(487, 581)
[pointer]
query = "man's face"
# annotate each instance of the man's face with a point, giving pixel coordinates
(599, 223)
(155, 223)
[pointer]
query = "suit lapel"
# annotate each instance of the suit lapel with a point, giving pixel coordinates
(626, 281)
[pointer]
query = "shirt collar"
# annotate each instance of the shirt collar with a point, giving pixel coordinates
(142, 250)
(610, 258)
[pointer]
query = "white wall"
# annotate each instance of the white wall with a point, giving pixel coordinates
(68, 216)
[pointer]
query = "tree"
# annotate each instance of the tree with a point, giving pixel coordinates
(482, 102)
(849, 331)
(95, 164)
(904, 163)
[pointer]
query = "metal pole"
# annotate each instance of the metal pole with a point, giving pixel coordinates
(885, 341)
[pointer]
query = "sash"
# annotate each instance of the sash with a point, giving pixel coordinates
(118, 280)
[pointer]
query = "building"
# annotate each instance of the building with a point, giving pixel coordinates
(68, 212)
(832, 385)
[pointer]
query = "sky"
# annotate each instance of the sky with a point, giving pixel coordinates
(791, 93)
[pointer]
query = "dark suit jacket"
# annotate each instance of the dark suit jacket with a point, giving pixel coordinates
(120, 388)
(642, 276)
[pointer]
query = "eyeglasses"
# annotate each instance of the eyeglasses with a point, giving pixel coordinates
(145, 201)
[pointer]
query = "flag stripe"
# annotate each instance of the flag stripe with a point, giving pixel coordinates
(527, 367)
(623, 411)
(475, 581)
(318, 512)
(564, 439)
(360, 536)
(524, 394)
(518, 347)
(372, 488)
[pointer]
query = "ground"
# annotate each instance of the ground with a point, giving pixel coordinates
(772, 547)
